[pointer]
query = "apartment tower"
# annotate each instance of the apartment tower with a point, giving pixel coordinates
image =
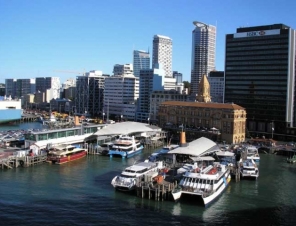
(162, 53)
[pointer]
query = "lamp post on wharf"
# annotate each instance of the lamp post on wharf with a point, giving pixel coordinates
(272, 129)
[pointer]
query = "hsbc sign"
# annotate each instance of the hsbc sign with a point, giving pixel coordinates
(256, 33)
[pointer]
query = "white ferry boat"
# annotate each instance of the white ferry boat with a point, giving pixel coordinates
(104, 148)
(249, 169)
(10, 110)
(252, 153)
(129, 177)
(126, 146)
(205, 179)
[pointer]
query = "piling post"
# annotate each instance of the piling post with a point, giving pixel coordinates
(142, 191)
(163, 192)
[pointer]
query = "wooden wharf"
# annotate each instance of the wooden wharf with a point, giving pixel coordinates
(157, 191)
(11, 161)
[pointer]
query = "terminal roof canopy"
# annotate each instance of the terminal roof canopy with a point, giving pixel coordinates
(125, 128)
(199, 147)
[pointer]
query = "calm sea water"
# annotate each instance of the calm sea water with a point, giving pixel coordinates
(22, 126)
(80, 193)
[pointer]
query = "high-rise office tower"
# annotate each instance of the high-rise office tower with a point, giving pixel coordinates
(203, 53)
(121, 93)
(90, 93)
(141, 61)
(162, 53)
(49, 83)
(260, 76)
(216, 80)
(17, 88)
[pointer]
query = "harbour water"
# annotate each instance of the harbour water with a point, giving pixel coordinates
(80, 193)
(22, 126)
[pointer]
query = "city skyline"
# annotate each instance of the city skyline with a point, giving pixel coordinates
(39, 38)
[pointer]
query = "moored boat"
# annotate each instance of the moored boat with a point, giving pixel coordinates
(291, 159)
(204, 179)
(252, 153)
(226, 158)
(65, 153)
(10, 110)
(104, 148)
(249, 169)
(126, 146)
(164, 150)
(129, 177)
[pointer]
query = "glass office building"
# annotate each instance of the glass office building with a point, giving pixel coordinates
(260, 76)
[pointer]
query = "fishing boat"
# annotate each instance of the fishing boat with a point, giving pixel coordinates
(126, 146)
(252, 153)
(249, 169)
(65, 153)
(131, 175)
(205, 179)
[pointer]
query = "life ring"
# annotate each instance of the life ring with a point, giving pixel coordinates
(21, 163)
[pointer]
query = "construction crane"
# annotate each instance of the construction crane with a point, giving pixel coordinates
(73, 72)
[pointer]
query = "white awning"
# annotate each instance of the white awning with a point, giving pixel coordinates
(126, 128)
(225, 153)
(202, 158)
(199, 147)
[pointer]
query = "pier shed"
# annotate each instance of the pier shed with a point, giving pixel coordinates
(200, 147)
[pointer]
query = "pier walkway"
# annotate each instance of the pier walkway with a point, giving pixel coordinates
(10, 161)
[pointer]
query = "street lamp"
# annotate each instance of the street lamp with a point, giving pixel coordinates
(272, 129)
(103, 116)
(148, 119)
(121, 117)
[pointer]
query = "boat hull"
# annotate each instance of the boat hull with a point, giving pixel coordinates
(125, 154)
(206, 200)
(69, 158)
(9, 115)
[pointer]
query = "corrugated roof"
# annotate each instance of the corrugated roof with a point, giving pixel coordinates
(199, 147)
(204, 105)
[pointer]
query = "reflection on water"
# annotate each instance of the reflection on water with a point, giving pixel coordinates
(176, 209)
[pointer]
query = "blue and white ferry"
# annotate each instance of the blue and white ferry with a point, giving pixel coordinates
(126, 146)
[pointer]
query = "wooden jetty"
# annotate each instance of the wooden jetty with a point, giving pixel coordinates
(11, 161)
(159, 188)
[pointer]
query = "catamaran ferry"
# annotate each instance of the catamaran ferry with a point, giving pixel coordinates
(205, 179)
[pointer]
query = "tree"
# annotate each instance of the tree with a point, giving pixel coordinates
(186, 84)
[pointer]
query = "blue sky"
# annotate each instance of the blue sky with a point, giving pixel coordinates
(38, 37)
